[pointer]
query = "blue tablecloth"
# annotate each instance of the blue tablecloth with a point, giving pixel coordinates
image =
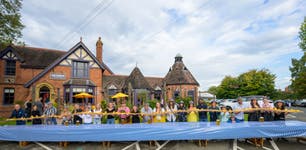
(155, 131)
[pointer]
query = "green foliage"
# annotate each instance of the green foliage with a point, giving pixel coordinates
(298, 68)
(302, 35)
(283, 95)
(213, 90)
(152, 103)
(253, 82)
(257, 82)
(10, 22)
(103, 105)
(228, 88)
(186, 100)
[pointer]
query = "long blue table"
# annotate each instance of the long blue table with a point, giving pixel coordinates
(155, 131)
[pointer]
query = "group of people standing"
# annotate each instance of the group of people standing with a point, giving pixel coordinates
(35, 110)
(171, 112)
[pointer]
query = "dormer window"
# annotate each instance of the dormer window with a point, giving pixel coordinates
(80, 69)
(10, 67)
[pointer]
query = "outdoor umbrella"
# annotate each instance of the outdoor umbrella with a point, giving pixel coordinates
(118, 96)
(83, 95)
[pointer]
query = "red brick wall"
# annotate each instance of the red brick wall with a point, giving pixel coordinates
(95, 75)
(22, 76)
(184, 90)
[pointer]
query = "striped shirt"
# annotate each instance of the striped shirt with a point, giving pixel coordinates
(50, 111)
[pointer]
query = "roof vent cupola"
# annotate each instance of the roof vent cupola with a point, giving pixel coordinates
(178, 58)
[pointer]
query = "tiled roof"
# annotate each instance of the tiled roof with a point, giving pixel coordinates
(40, 58)
(179, 74)
(57, 61)
(137, 80)
(117, 80)
(155, 81)
(37, 58)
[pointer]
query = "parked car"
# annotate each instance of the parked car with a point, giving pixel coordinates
(299, 103)
(246, 101)
(228, 102)
(303, 103)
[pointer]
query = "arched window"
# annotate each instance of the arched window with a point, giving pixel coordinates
(44, 93)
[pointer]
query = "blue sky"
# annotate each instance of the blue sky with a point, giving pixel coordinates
(216, 38)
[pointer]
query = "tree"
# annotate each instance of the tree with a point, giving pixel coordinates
(298, 69)
(302, 35)
(257, 82)
(10, 22)
(253, 82)
(213, 90)
(228, 88)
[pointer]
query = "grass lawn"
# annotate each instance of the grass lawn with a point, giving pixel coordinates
(4, 122)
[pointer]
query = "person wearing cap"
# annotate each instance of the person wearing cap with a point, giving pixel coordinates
(267, 113)
(214, 115)
(192, 116)
(202, 114)
(171, 108)
(280, 116)
(181, 115)
(146, 113)
(238, 107)
(50, 112)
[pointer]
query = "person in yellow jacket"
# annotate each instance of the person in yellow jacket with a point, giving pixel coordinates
(193, 115)
(159, 114)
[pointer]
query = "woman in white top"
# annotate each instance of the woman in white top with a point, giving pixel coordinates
(87, 118)
(97, 117)
(171, 109)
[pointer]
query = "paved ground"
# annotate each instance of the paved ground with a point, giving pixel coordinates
(291, 144)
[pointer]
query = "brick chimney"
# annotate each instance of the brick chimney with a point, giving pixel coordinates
(99, 50)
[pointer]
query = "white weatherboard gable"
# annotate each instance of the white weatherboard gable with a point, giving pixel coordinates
(79, 54)
(10, 55)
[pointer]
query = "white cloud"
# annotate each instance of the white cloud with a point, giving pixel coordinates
(216, 38)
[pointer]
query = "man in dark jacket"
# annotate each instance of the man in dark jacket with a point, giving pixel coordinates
(202, 114)
(18, 113)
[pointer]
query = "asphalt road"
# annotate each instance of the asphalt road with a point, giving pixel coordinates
(291, 144)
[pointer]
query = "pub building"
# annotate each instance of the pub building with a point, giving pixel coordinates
(31, 73)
